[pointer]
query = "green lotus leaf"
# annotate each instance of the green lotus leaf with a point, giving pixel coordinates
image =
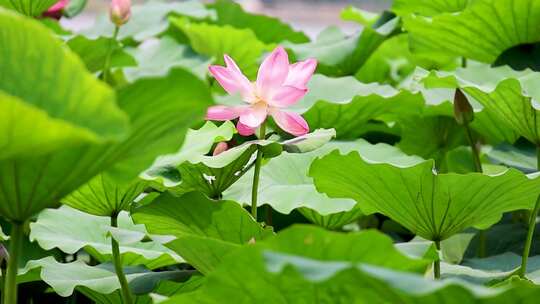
(340, 55)
(508, 97)
(28, 7)
(315, 280)
(157, 57)
(333, 220)
(439, 91)
(428, 7)
(431, 205)
(304, 243)
(267, 29)
(205, 230)
(38, 167)
(482, 31)
(161, 111)
(163, 290)
(93, 233)
(65, 109)
(216, 40)
(94, 51)
(522, 159)
(393, 62)
(64, 278)
(192, 169)
(297, 191)
(347, 105)
(365, 18)
(148, 20)
(74, 8)
(430, 136)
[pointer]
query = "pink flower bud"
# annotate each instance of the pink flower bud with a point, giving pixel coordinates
(220, 148)
(120, 11)
(56, 10)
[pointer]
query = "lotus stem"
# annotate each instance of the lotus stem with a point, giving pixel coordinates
(107, 65)
(257, 173)
(482, 238)
(474, 149)
(127, 298)
(15, 245)
(532, 226)
(437, 262)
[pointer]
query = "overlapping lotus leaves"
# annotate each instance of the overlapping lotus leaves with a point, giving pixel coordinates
(482, 31)
(54, 104)
(341, 55)
(163, 290)
(509, 98)
(157, 57)
(191, 169)
(205, 230)
(94, 51)
(38, 167)
(28, 7)
(103, 195)
(161, 112)
(367, 246)
(148, 20)
(428, 7)
(93, 233)
(313, 280)
(439, 96)
(302, 243)
(216, 40)
(521, 159)
(64, 278)
(433, 206)
(297, 191)
(430, 136)
(393, 62)
(347, 105)
(267, 29)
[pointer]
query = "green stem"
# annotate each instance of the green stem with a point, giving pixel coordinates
(532, 227)
(15, 245)
(477, 168)
(474, 149)
(437, 263)
(117, 261)
(257, 173)
(107, 65)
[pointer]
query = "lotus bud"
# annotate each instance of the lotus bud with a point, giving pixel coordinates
(463, 111)
(220, 148)
(120, 11)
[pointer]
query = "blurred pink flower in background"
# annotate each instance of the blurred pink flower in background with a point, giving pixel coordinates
(56, 10)
(279, 85)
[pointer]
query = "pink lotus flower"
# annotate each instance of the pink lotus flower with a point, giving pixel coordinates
(278, 86)
(56, 10)
(120, 11)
